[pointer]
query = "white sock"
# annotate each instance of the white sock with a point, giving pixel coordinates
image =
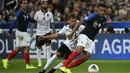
(58, 66)
(39, 56)
(44, 50)
(7, 60)
(48, 52)
(27, 64)
(50, 61)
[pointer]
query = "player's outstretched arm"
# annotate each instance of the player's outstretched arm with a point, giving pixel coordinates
(73, 31)
(51, 36)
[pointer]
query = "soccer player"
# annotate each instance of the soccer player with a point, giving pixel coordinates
(68, 45)
(22, 18)
(44, 19)
(85, 43)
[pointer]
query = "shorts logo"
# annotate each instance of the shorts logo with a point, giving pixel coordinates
(47, 15)
(81, 42)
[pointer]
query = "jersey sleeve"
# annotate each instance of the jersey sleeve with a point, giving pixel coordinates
(52, 20)
(81, 28)
(62, 31)
(90, 17)
(36, 16)
(16, 18)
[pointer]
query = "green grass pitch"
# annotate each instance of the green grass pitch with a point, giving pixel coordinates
(105, 66)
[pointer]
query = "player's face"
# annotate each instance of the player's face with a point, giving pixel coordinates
(24, 5)
(72, 21)
(44, 4)
(101, 11)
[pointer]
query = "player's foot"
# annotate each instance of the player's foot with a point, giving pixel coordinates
(68, 71)
(52, 70)
(5, 63)
(42, 71)
(63, 69)
(30, 67)
(39, 65)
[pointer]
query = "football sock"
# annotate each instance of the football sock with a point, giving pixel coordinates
(58, 66)
(76, 62)
(27, 58)
(71, 57)
(48, 52)
(39, 56)
(50, 61)
(44, 51)
(11, 55)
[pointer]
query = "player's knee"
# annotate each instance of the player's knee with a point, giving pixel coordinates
(86, 55)
(27, 48)
(80, 49)
(58, 54)
(39, 47)
(48, 44)
(17, 49)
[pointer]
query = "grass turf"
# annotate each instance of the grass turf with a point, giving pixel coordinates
(106, 66)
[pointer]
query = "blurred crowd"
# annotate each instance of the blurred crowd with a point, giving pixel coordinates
(118, 10)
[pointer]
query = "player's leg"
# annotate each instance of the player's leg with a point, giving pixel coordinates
(60, 52)
(44, 51)
(14, 52)
(64, 50)
(49, 62)
(26, 44)
(86, 53)
(39, 48)
(10, 56)
(79, 61)
(55, 68)
(82, 42)
(27, 58)
(48, 48)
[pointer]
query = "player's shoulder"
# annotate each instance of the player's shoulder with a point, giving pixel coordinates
(49, 12)
(66, 27)
(92, 16)
(39, 11)
(105, 18)
(19, 12)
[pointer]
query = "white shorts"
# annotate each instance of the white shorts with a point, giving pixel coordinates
(87, 43)
(22, 39)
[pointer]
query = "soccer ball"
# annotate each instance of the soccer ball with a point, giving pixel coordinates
(93, 68)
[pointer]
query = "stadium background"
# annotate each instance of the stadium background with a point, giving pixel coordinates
(112, 50)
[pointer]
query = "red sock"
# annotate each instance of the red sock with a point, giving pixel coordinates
(26, 57)
(76, 63)
(11, 55)
(70, 58)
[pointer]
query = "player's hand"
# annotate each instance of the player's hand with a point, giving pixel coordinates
(69, 36)
(40, 38)
(9, 35)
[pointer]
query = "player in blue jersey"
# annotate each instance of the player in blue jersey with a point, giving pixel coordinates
(85, 43)
(22, 18)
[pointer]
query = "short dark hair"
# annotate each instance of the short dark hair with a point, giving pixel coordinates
(43, 1)
(72, 15)
(22, 1)
(102, 5)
